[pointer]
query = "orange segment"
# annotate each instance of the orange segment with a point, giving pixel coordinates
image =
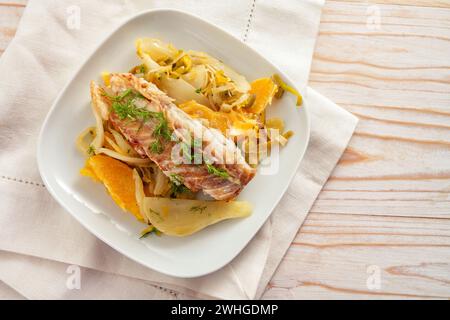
(216, 119)
(118, 180)
(106, 76)
(88, 172)
(264, 89)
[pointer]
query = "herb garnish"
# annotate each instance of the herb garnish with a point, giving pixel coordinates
(130, 111)
(176, 178)
(149, 230)
(199, 90)
(119, 97)
(156, 147)
(187, 151)
(198, 209)
(217, 171)
(162, 129)
(178, 189)
(197, 145)
(191, 152)
(156, 213)
(176, 185)
(90, 150)
(124, 106)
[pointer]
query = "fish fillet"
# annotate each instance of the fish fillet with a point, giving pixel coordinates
(140, 133)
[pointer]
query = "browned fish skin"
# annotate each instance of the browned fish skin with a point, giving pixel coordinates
(194, 176)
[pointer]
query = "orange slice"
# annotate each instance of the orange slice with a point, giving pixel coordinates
(264, 89)
(118, 180)
(215, 119)
(219, 120)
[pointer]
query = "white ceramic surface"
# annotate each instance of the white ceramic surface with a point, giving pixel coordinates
(60, 162)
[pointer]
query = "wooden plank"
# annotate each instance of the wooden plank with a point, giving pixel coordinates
(385, 203)
(401, 94)
(10, 13)
(391, 66)
(331, 255)
(13, 3)
(396, 167)
(420, 3)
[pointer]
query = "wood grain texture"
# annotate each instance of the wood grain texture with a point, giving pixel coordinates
(10, 14)
(331, 255)
(387, 203)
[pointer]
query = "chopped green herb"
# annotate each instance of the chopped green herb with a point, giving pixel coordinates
(126, 109)
(155, 213)
(176, 185)
(156, 147)
(176, 179)
(130, 111)
(197, 143)
(217, 171)
(199, 90)
(149, 230)
(198, 209)
(119, 97)
(187, 152)
(282, 86)
(142, 69)
(124, 94)
(90, 150)
(162, 129)
(191, 152)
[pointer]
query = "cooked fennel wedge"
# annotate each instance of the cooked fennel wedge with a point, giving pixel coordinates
(182, 217)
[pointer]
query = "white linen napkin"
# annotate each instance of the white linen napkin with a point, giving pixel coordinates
(41, 240)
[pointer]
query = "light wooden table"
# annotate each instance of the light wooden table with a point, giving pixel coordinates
(386, 208)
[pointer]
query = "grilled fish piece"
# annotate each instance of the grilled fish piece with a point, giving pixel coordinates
(148, 124)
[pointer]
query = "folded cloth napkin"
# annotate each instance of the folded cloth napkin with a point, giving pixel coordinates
(39, 240)
(8, 293)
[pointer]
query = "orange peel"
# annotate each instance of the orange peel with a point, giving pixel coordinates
(264, 89)
(118, 180)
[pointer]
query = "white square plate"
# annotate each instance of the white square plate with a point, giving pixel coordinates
(60, 162)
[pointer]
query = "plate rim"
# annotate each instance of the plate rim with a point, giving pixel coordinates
(54, 193)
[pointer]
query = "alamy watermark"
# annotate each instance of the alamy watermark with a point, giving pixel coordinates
(373, 21)
(73, 281)
(373, 281)
(73, 21)
(200, 146)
